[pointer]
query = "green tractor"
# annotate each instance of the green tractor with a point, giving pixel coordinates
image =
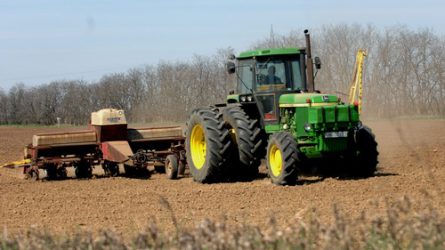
(278, 115)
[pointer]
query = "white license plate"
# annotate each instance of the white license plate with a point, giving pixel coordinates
(336, 134)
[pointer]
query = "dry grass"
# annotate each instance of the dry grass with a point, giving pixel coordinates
(401, 227)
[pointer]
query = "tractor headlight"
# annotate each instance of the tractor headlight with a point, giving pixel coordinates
(285, 127)
(243, 98)
(307, 127)
(249, 98)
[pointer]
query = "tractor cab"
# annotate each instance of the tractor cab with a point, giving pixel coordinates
(264, 75)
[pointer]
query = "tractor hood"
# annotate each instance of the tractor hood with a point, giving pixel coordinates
(308, 99)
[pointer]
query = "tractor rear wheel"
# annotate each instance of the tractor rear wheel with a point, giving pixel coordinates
(282, 158)
(246, 137)
(363, 158)
(207, 146)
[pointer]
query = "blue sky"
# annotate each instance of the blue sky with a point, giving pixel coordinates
(46, 40)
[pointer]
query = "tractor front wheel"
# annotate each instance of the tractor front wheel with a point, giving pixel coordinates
(282, 158)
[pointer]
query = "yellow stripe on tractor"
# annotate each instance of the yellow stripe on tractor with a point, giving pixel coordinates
(293, 105)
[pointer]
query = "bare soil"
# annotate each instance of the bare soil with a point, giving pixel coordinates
(412, 163)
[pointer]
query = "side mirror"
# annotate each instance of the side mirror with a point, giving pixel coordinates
(230, 67)
(317, 62)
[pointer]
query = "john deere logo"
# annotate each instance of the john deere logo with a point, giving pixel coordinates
(326, 98)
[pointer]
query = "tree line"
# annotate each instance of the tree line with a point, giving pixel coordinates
(404, 76)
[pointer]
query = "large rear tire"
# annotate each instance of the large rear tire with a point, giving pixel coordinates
(207, 146)
(363, 158)
(246, 137)
(282, 158)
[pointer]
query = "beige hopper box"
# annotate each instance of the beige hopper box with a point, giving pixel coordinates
(105, 117)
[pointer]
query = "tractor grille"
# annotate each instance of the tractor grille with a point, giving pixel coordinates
(333, 145)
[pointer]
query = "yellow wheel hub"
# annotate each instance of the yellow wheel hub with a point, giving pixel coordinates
(198, 146)
(275, 160)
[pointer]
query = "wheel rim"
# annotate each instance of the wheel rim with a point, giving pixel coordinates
(275, 160)
(198, 146)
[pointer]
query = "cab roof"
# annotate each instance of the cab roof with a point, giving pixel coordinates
(269, 52)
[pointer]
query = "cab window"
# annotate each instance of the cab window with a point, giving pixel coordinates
(245, 80)
(271, 75)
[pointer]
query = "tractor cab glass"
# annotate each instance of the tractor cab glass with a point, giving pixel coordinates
(278, 74)
(245, 76)
(274, 76)
(270, 75)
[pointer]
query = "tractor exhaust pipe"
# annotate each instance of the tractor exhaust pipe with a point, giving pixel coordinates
(309, 63)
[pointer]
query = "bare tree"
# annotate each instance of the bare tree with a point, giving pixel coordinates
(404, 75)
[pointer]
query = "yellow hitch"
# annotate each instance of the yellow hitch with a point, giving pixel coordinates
(16, 164)
(357, 80)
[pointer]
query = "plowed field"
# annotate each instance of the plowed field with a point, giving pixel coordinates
(412, 163)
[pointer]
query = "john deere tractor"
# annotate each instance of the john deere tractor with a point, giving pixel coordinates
(278, 115)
